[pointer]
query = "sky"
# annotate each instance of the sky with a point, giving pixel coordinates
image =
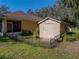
(24, 5)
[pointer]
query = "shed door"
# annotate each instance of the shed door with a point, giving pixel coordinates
(48, 30)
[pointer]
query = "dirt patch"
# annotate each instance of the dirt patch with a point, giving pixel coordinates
(71, 47)
(3, 45)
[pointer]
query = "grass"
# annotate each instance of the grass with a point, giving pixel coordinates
(33, 41)
(76, 30)
(13, 50)
(73, 35)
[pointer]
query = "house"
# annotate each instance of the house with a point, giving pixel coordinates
(50, 28)
(18, 21)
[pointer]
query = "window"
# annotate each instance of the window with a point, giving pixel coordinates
(17, 26)
(0, 27)
(13, 26)
(9, 27)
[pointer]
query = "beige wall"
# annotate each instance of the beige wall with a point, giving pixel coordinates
(49, 29)
(28, 25)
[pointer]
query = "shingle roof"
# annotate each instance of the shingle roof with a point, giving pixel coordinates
(22, 16)
(50, 19)
(1, 15)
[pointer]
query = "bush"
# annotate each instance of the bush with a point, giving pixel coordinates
(26, 33)
(35, 34)
(70, 36)
(4, 39)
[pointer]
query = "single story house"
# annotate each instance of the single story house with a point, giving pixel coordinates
(18, 21)
(50, 28)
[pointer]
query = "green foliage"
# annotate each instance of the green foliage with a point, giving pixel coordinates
(3, 9)
(45, 12)
(35, 34)
(3, 57)
(4, 39)
(74, 6)
(64, 10)
(71, 3)
(70, 36)
(26, 33)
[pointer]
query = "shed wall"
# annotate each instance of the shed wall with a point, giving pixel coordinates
(49, 29)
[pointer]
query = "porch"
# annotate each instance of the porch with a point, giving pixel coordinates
(10, 26)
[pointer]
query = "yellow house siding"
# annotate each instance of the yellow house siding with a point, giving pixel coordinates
(28, 25)
(25, 25)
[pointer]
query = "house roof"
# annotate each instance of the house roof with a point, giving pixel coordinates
(22, 16)
(1, 15)
(47, 18)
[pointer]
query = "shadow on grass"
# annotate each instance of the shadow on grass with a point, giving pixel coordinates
(3, 57)
(4, 39)
(70, 33)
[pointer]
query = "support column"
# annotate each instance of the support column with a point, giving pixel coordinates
(4, 25)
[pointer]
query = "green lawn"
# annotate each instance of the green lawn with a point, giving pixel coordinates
(12, 50)
(76, 30)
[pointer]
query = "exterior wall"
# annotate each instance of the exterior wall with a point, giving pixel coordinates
(62, 28)
(49, 29)
(28, 25)
(25, 25)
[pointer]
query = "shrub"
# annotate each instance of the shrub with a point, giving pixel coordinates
(70, 36)
(4, 39)
(26, 33)
(35, 34)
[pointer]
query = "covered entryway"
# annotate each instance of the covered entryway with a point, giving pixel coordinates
(10, 26)
(13, 26)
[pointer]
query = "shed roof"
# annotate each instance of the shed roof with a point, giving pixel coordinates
(22, 16)
(47, 18)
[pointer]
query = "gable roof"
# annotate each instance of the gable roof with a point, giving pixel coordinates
(22, 16)
(47, 18)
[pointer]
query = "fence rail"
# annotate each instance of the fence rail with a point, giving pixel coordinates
(38, 41)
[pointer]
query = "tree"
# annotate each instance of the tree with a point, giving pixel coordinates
(64, 10)
(3, 9)
(45, 12)
(30, 11)
(74, 5)
(71, 3)
(59, 11)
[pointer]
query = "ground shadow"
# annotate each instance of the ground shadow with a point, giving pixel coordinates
(70, 33)
(4, 39)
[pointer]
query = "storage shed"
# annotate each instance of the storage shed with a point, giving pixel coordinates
(50, 28)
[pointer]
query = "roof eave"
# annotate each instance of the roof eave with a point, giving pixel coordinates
(47, 19)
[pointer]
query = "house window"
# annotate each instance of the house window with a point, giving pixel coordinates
(9, 27)
(16, 26)
(13, 26)
(0, 25)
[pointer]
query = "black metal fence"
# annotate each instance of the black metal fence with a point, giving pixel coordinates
(37, 42)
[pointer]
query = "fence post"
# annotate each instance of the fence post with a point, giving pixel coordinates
(39, 42)
(50, 43)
